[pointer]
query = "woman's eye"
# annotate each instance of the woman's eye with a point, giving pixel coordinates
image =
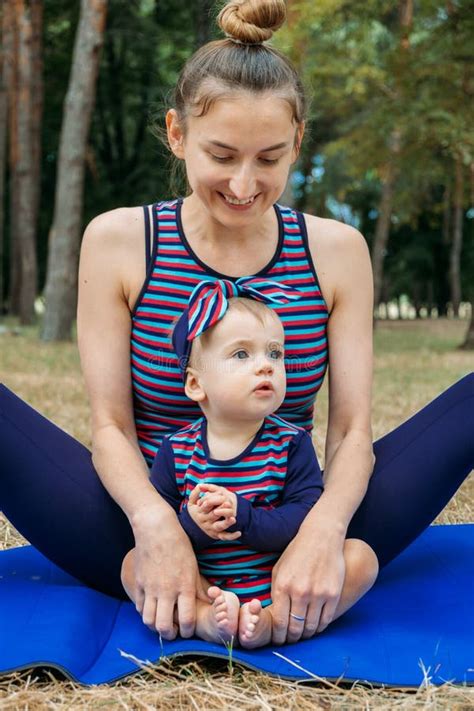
(226, 159)
(276, 354)
(221, 159)
(240, 355)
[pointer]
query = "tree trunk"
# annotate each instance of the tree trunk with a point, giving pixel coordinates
(27, 171)
(468, 344)
(456, 244)
(64, 236)
(447, 214)
(10, 49)
(3, 148)
(382, 228)
(37, 90)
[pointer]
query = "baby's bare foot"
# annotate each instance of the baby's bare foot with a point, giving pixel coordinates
(218, 622)
(255, 625)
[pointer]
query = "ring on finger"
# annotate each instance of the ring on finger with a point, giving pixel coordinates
(297, 617)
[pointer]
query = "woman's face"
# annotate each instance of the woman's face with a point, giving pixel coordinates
(239, 152)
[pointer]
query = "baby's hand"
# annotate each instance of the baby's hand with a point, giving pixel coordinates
(214, 512)
(217, 499)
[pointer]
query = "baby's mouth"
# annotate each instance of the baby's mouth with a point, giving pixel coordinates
(264, 387)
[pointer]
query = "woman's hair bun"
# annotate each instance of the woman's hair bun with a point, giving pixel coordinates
(252, 21)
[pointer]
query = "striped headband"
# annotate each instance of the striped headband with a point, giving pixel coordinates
(209, 302)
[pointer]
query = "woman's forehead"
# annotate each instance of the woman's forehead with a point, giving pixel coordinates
(239, 113)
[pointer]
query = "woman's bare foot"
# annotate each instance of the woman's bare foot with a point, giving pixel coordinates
(255, 625)
(218, 621)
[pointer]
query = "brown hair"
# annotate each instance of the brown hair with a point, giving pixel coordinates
(240, 62)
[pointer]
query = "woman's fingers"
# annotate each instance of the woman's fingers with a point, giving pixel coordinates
(327, 614)
(139, 599)
(280, 618)
(313, 614)
(149, 611)
(187, 614)
(296, 622)
(164, 622)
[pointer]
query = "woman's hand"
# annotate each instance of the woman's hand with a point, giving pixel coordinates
(167, 577)
(214, 512)
(307, 581)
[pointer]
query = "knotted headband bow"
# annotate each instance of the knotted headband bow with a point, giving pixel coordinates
(209, 302)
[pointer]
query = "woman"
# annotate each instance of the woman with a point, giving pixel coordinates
(237, 123)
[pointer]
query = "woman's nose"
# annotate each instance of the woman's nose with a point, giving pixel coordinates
(242, 183)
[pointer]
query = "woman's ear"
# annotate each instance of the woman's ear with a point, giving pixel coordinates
(193, 387)
(298, 141)
(175, 133)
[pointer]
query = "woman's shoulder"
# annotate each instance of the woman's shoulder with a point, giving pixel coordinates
(332, 234)
(340, 254)
(114, 241)
(116, 227)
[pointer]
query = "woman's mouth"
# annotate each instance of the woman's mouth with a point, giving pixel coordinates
(235, 204)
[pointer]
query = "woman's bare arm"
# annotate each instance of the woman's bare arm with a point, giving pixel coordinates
(309, 576)
(164, 577)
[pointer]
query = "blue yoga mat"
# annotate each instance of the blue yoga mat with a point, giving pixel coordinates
(417, 622)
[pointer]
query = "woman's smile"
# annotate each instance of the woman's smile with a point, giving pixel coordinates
(239, 205)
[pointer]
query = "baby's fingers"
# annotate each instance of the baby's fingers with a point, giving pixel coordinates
(229, 536)
(194, 495)
(210, 501)
(225, 510)
(223, 524)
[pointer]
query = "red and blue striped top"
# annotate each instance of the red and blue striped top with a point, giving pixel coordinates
(173, 270)
(277, 481)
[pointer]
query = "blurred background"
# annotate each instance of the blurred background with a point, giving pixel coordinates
(389, 146)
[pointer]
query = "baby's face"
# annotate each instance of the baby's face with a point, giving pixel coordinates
(241, 368)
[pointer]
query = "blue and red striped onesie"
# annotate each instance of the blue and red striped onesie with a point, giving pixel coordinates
(277, 481)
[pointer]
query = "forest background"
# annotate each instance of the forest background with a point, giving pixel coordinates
(389, 146)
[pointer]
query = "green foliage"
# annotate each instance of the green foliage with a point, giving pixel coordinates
(370, 80)
(145, 45)
(363, 88)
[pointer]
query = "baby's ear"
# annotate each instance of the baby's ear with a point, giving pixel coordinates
(193, 387)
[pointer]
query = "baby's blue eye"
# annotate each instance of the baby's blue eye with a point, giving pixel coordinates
(276, 354)
(240, 355)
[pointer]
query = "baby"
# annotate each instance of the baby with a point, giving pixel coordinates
(240, 479)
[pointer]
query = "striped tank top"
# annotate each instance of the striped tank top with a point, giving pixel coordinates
(173, 270)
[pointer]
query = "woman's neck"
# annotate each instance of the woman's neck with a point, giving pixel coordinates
(232, 252)
(201, 227)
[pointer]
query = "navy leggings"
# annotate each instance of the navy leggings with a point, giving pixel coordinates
(51, 493)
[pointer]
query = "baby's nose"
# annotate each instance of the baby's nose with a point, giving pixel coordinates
(265, 365)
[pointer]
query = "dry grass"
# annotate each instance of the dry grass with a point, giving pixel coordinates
(414, 362)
